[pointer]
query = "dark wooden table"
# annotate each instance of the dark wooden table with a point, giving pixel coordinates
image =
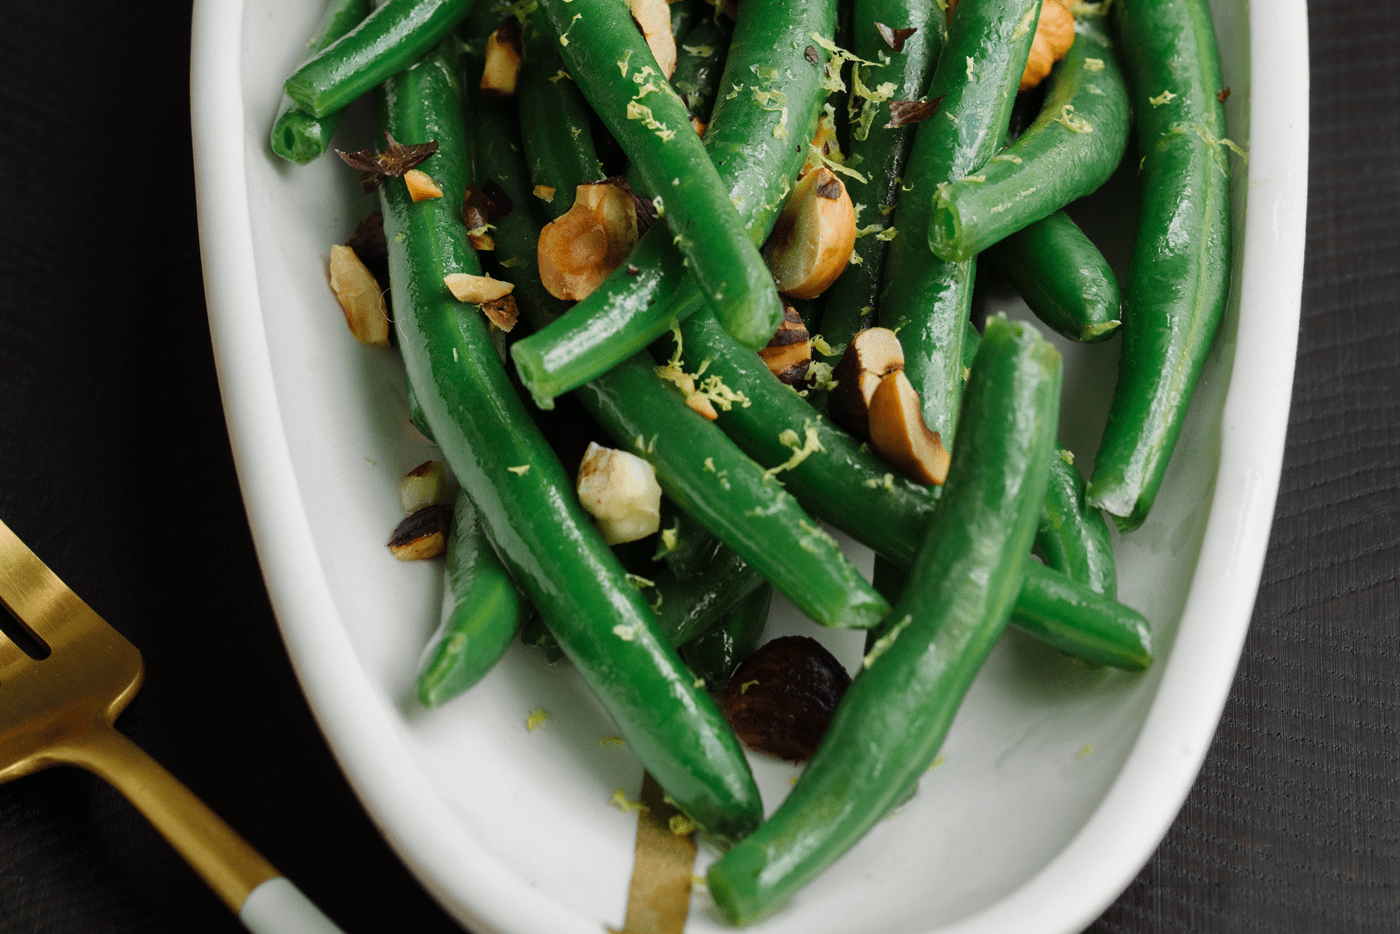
(115, 467)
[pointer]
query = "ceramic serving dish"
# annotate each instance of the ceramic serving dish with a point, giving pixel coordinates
(1056, 782)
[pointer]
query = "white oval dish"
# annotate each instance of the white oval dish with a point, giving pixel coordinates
(1056, 783)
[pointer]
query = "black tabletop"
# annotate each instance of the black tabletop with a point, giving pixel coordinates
(115, 467)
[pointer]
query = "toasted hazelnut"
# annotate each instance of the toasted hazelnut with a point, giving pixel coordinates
(1054, 34)
(476, 289)
(428, 484)
(544, 193)
(619, 490)
(359, 296)
(871, 355)
(581, 248)
(789, 353)
(814, 236)
(697, 125)
(781, 698)
(421, 186)
(503, 312)
(503, 54)
(422, 535)
(899, 435)
(654, 18)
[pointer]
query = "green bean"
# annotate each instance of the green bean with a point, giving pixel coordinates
(892, 720)
(878, 152)
(1073, 538)
(297, 135)
(1081, 622)
(610, 61)
(1069, 151)
(554, 123)
(483, 609)
(699, 63)
(1062, 276)
(713, 655)
(383, 44)
(925, 300)
(1179, 273)
(684, 544)
(753, 142)
(526, 501)
(698, 467)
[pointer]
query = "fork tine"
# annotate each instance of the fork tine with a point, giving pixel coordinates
(36, 596)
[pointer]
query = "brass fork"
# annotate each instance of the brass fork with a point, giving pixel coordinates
(58, 702)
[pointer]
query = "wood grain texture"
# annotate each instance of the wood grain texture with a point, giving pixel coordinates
(111, 428)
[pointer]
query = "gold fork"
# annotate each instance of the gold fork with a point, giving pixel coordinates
(58, 702)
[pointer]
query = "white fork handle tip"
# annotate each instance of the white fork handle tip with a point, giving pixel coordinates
(278, 907)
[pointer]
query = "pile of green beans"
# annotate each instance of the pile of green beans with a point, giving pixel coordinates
(655, 629)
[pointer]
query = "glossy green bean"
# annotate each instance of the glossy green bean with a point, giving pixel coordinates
(713, 655)
(612, 65)
(1062, 276)
(923, 299)
(526, 502)
(482, 611)
(1073, 538)
(1069, 151)
(297, 135)
(383, 44)
(1179, 272)
(699, 63)
(555, 128)
(879, 153)
(893, 717)
(1081, 622)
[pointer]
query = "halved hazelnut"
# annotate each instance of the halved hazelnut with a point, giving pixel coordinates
(899, 435)
(503, 53)
(476, 289)
(581, 248)
(359, 296)
(619, 490)
(654, 18)
(789, 353)
(421, 186)
(814, 236)
(781, 698)
(871, 355)
(1054, 34)
(421, 535)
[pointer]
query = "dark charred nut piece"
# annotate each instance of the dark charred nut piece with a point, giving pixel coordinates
(894, 38)
(899, 435)
(421, 535)
(812, 55)
(503, 312)
(814, 236)
(780, 700)
(504, 49)
(582, 247)
(1223, 96)
(653, 18)
(476, 214)
(393, 161)
(360, 297)
(871, 355)
(904, 113)
(498, 203)
(789, 353)
(368, 240)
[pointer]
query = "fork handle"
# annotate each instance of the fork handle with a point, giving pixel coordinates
(248, 884)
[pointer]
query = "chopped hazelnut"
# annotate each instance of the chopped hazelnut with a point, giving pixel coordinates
(421, 186)
(544, 192)
(619, 490)
(1054, 34)
(581, 248)
(428, 484)
(476, 289)
(504, 49)
(871, 355)
(654, 18)
(814, 236)
(899, 435)
(789, 353)
(359, 296)
(422, 535)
